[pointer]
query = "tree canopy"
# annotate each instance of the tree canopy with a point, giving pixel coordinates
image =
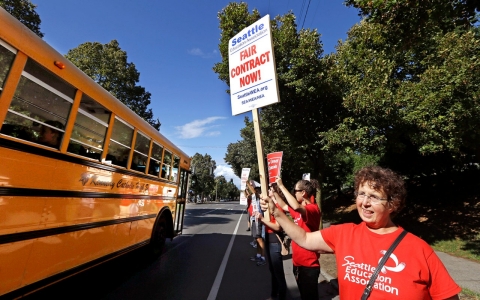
(224, 189)
(413, 102)
(305, 92)
(24, 11)
(202, 167)
(401, 91)
(107, 65)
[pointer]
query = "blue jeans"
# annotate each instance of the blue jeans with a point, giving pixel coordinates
(275, 265)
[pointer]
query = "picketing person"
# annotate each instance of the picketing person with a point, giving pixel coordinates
(306, 214)
(411, 271)
(273, 250)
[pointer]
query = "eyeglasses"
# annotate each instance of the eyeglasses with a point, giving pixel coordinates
(372, 198)
(295, 191)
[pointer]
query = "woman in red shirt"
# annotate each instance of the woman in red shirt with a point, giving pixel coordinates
(274, 254)
(412, 271)
(306, 214)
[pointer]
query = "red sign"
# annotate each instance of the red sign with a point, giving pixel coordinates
(274, 161)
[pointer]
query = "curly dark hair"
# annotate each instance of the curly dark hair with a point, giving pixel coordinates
(386, 181)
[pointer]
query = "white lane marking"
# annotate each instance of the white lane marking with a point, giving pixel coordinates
(223, 265)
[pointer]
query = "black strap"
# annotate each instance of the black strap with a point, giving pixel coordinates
(369, 286)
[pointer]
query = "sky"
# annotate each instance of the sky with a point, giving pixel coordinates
(174, 46)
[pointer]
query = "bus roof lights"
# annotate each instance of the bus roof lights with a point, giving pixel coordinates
(59, 64)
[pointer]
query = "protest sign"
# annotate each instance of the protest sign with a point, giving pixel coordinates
(243, 198)
(274, 162)
(243, 185)
(253, 77)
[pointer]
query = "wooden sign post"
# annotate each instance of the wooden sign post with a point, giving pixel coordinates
(260, 157)
(253, 79)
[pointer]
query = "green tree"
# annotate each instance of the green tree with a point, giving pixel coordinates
(309, 101)
(221, 188)
(107, 65)
(202, 167)
(242, 154)
(24, 11)
(409, 22)
(415, 106)
(232, 190)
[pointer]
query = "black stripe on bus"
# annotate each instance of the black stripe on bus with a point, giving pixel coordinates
(11, 191)
(72, 159)
(28, 289)
(34, 234)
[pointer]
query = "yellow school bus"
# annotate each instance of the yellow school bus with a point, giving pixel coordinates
(82, 178)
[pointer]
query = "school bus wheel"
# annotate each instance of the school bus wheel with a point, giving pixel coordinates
(159, 237)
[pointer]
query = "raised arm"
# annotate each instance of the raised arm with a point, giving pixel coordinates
(292, 201)
(273, 226)
(282, 204)
(309, 240)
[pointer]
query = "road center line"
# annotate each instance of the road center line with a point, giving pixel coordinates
(223, 265)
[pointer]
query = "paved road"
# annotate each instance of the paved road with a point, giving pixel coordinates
(209, 261)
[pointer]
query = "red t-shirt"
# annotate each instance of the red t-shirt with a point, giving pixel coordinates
(300, 256)
(272, 220)
(249, 206)
(413, 270)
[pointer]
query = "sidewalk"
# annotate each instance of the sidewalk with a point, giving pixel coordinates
(465, 272)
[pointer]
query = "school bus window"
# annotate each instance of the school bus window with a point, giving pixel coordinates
(176, 165)
(77, 195)
(49, 78)
(88, 135)
(37, 107)
(6, 59)
(120, 143)
(155, 160)
(140, 153)
(167, 165)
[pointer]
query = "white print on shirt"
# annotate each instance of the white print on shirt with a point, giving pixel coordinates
(398, 267)
(360, 273)
(297, 219)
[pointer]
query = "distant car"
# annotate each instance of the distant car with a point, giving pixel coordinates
(199, 201)
(222, 200)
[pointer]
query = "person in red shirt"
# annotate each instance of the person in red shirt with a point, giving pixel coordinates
(251, 216)
(306, 214)
(249, 208)
(273, 251)
(412, 271)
